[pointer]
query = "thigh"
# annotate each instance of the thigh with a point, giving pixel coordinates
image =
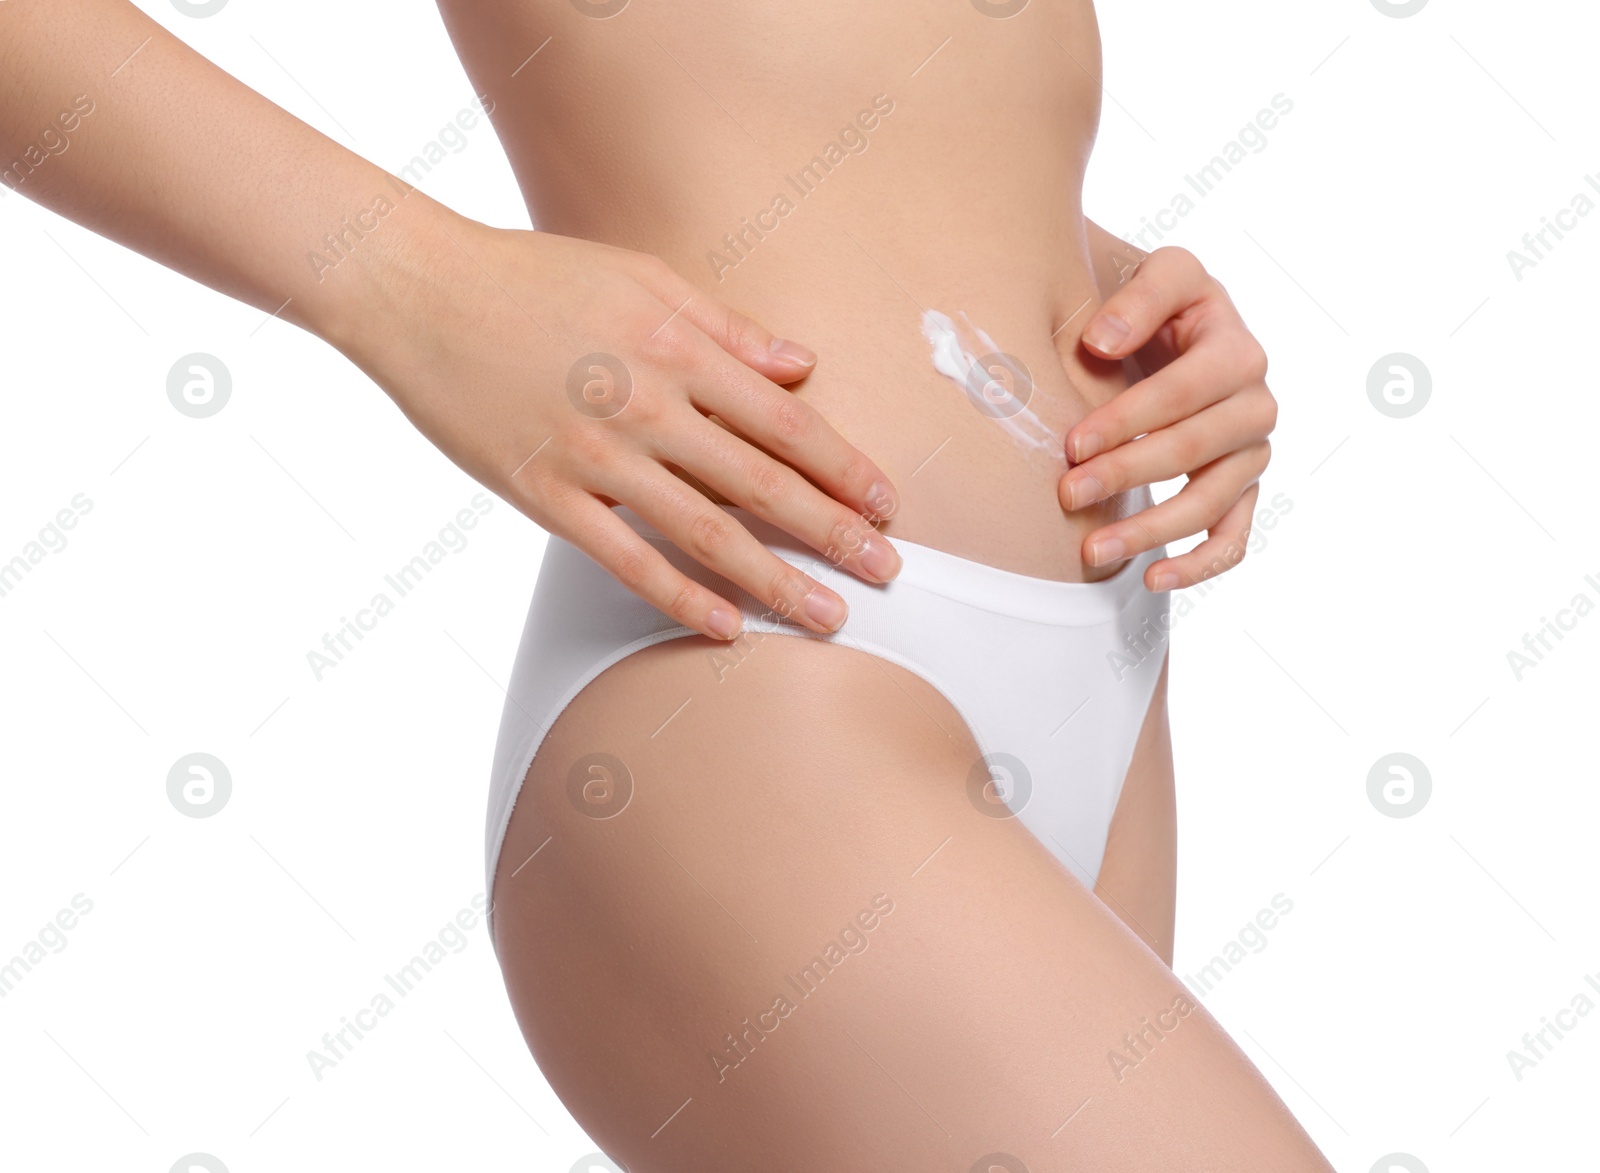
(1138, 877)
(795, 943)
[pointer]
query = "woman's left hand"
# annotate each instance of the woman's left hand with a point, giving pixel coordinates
(1202, 410)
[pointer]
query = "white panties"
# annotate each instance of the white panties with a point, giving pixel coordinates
(1052, 678)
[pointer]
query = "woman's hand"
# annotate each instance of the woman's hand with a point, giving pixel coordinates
(1202, 410)
(564, 375)
(569, 376)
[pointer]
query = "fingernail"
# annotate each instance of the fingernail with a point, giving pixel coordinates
(1106, 332)
(879, 561)
(1087, 447)
(827, 609)
(793, 353)
(1108, 550)
(723, 622)
(881, 499)
(1084, 491)
(1166, 581)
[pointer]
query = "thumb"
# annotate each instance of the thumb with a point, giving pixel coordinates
(1165, 284)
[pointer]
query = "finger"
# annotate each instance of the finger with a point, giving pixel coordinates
(713, 537)
(644, 570)
(1199, 505)
(790, 429)
(1223, 360)
(1221, 552)
(780, 359)
(1161, 455)
(774, 492)
(1166, 283)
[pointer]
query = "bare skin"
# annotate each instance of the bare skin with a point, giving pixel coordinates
(477, 333)
(983, 1015)
(665, 130)
(986, 1012)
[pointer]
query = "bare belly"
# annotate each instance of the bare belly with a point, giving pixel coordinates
(837, 171)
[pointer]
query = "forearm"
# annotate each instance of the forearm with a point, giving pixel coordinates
(114, 123)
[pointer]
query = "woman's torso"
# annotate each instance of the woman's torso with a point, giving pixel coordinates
(833, 170)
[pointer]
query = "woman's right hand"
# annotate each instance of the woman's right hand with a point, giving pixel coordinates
(569, 376)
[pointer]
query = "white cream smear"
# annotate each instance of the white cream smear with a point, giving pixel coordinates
(996, 383)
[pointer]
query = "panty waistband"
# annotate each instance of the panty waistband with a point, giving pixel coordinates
(939, 572)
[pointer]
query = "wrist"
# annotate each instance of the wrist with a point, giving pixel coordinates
(381, 273)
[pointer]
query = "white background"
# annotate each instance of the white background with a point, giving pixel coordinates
(1375, 617)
